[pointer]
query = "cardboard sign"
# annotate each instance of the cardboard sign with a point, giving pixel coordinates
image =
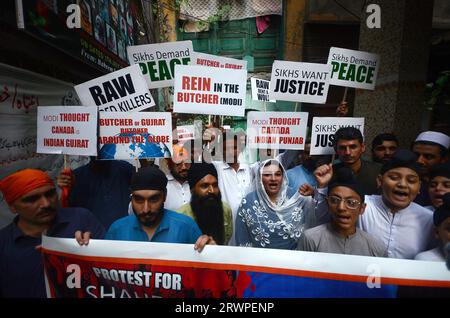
(210, 60)
(135, 135)
(323, 129)
(157, 61)
(299, 82)
(350, 68)
(277, 130)
(124, 90)
(70, 130)
(260, 90)
(209, 90)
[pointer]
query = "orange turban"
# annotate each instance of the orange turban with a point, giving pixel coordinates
(22, 182)
(180, 154)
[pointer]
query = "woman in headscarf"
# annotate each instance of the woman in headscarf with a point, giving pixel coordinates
(274, 215)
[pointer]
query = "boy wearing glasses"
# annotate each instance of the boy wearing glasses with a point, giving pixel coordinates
(341, 236)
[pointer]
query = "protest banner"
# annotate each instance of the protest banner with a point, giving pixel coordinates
(323, 129)
(114, 269)
(209, 90)
(135, 135)
(260, 90)
(210, 60)
(157, 61)
(124, 90)
(70, 130)
(280, 130)
(185, 133)
(299, 82)
(351, 68)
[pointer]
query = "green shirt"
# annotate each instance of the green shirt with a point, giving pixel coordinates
(186, 209)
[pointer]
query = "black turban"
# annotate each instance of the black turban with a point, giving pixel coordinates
(402, 158)
(343, 177)
(148, 178)
(198, 171)
(442, 212)
(440, 170)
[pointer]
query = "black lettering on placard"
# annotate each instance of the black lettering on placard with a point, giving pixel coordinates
(299, 87)
(324, 140)
(114, 89)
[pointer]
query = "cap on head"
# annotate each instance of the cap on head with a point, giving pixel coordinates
(440, 170)
(343, 177)
(402, 158)
(22, 182)
(434, 137)
(198, 171)
(148, 178)
(442, 212)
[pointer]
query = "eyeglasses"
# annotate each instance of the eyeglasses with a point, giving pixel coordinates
(351, 204)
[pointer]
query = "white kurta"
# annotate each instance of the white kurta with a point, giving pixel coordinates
(405, 233)
(177, 194)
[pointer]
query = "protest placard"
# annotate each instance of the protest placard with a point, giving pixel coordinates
(209, 90)
(260, 90)
(299, 82)
(323, 129)
(70, 130)
(124, 269)
(185, 133)
(210, 60)
(351, 68)
(276, 130)
(157, 61)
(135, 135)
(124, 90)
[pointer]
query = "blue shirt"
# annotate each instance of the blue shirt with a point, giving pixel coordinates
(21, 268)
(174, 228)
(106, 193)
(298, 176)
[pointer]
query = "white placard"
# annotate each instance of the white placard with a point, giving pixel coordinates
(124, 90)
(260, 90)
(185, 133)
(70, 130)
(276, 130)
(351, 68)
(209, 90)
(323, 129)
(157, 61)
(210, 60)
(299, 82)
(135, 135)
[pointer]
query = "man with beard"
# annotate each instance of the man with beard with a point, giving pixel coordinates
(349, 146)
(178, 191)
(206, 207)
(431, 148)
(150, 221)
(304, 172)
(31, 195)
